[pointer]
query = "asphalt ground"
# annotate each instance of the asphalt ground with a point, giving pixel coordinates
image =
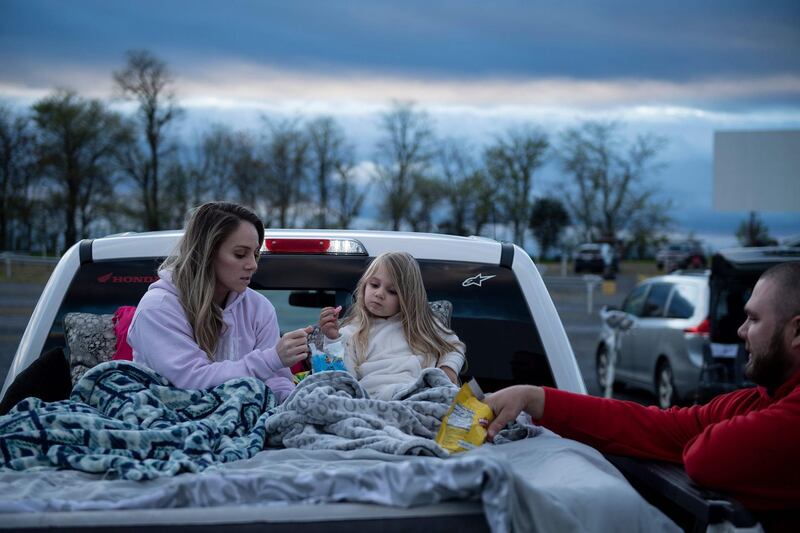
(17, 301)
(583, 327)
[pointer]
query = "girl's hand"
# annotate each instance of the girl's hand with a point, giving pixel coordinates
(328, 321)
(450, 374)
(293, 346)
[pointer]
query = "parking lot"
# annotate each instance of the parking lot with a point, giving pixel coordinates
(17, 301)
(583, 328)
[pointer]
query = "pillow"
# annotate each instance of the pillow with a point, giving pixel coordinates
(443, 310)
(91, 340)
(122, 322)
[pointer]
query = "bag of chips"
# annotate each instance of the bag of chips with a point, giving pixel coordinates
(464, 426)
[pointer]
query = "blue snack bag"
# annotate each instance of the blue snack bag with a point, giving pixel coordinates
(330, 358)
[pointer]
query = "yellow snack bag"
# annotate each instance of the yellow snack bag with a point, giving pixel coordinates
(464, 426)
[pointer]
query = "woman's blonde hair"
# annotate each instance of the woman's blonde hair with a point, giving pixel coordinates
(192, 266)
(424, 333)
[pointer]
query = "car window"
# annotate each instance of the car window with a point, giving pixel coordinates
(682, 302)
(635, 301)
(656, 300)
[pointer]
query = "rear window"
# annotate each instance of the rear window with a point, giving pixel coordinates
(492, 319)
(300, 308)
(100, 288)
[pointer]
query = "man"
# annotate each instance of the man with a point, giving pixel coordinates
(745, 443)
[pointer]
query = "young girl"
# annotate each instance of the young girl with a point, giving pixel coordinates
(200, 325)
(390, 333)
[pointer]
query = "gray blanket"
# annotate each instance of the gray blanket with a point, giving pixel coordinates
(331, 411)
(541, 484)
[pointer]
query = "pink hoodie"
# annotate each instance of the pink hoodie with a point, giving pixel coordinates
(163, 340)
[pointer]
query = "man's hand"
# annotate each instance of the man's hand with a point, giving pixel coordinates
(508, 403)
(328, 321)
(293, 346)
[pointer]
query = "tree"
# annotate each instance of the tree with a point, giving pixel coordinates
(549, 217)
(17, 174)
(78, 140)
(214, 165)
(466, 190)
(753, 232)
(428, 192)
(511, 162)
(180, 186)
(286, 163)
(349, 198)
(647, 231)
(327, 148)
(146, 79)
(609, 191)
(404, 154)
(248, 171)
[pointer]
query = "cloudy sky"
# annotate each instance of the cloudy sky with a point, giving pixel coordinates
(681, 69)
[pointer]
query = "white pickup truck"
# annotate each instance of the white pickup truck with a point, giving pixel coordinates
(501, 310)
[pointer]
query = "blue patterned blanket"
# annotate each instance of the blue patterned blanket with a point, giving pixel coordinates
(126, 421)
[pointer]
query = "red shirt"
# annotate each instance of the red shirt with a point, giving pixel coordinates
(745, 443)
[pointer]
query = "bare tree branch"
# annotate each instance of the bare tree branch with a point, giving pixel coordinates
(146, 80)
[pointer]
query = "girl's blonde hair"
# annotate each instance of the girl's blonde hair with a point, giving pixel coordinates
(424, 333)
(192, 266)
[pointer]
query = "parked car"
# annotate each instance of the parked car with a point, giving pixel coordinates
(681, 255)
(596, 258)
(734, 273)
(501, 310)
(662, 349)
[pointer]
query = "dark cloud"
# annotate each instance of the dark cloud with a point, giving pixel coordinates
(677, 40)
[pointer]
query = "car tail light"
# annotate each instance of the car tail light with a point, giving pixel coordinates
(702, 329)
(313, 246)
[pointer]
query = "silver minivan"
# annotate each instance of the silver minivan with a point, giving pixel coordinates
(667, 332)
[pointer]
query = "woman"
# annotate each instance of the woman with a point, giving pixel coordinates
(200, 325)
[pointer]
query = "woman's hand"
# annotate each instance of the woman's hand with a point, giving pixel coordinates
(328, 321)
(293, 346)
(508, 403)
(451, 374)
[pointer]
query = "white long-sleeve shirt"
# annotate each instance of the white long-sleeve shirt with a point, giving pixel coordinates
(390, 363)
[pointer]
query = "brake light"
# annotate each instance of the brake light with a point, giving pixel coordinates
(281, 245)
(703, 328)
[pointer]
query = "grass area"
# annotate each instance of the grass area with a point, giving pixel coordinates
(640, 268)
(26, 273)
